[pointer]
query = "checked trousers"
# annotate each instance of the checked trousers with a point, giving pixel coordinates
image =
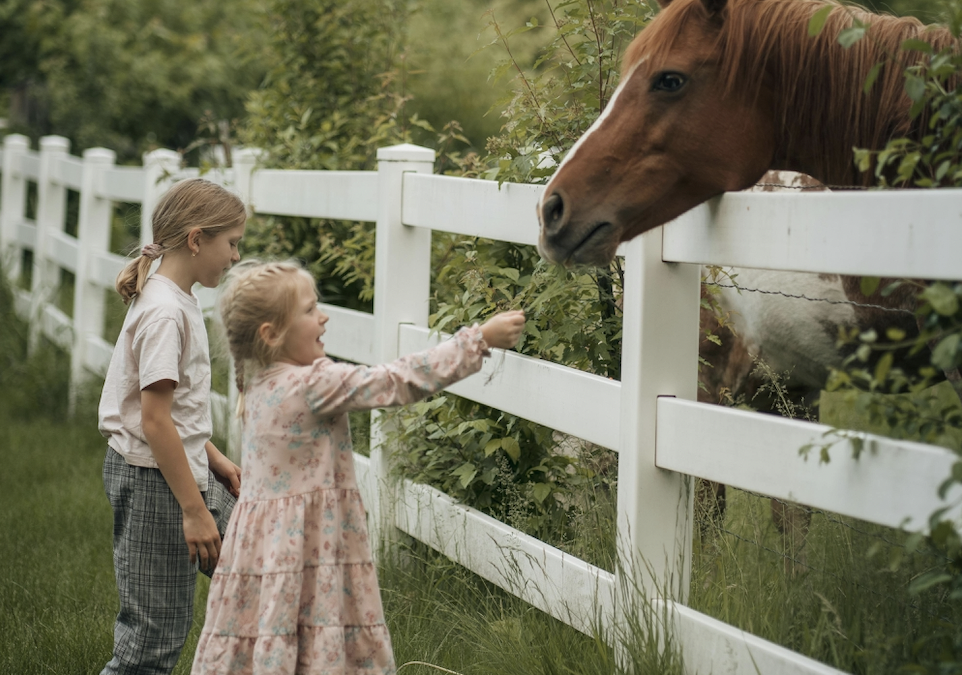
(155, 577)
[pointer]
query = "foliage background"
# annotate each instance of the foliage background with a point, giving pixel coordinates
(322, 84)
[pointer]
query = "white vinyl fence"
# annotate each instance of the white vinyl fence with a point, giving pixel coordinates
(650, 417)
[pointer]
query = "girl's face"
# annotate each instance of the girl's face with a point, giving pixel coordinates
(216, 254)
(302, 344)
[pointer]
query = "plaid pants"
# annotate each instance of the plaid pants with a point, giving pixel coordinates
(155, 577)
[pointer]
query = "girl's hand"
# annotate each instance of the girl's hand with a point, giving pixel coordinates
(502, 331)
(203, 540)
(225, 471)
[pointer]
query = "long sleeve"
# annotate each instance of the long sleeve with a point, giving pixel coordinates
(334, 388)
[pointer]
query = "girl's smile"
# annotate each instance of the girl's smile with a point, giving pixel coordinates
(302, 343)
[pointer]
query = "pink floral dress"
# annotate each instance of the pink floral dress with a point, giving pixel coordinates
(295, 590)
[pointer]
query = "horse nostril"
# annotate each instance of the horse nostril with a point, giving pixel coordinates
(553, 213)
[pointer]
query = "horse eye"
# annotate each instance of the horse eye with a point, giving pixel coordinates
(669, 82)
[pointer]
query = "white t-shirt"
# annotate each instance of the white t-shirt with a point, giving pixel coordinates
(163, 338)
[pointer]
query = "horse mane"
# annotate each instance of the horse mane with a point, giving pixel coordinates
(820, 106)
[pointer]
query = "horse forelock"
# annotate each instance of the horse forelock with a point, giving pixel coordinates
(817, 84)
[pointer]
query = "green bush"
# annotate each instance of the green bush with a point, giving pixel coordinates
(935, 160)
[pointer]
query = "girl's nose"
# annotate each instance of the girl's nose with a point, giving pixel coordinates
(323, 318)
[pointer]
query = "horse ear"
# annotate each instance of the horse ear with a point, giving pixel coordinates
(714, 7)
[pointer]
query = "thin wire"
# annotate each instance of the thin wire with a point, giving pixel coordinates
(819, 187)
(805, 297)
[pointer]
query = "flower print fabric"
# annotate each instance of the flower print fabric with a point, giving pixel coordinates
(295, 590)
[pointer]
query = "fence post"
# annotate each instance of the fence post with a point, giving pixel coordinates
(402, 286)
(93, 237)
(159, 169)
(659, 358)
(245, 161)
(51, 215)
(13, 204)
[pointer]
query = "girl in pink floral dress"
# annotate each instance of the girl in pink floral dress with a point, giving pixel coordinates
(295, 590)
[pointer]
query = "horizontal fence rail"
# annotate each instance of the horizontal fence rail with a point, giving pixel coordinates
(889, 482)
(913, 234)
(538, 391)
(893, 483)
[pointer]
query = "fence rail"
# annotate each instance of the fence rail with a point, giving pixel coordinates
(649, 417)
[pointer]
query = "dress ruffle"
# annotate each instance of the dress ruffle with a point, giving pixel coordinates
(311, 651)
(288, 534)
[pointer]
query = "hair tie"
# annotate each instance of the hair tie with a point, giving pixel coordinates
(152, 251)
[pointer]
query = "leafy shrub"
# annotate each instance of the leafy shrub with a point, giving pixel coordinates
(935, 88)
(497, 462)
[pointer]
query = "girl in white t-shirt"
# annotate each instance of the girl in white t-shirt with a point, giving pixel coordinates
(171, 490)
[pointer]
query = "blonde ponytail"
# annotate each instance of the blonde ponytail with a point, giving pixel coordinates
(130, 281)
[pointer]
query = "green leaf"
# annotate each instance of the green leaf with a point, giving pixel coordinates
(869, 285)
(870, 79)
(883, 367)
(541, 491)
(914, 87)
(895, 334)
(927, 581)
(850, 36)
(917, 45)
(511, 447)
(492, 446)
(467, 472)
(942, 298)
(944, 354)
(817, 22)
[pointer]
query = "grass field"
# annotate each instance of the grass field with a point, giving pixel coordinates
(57, 593)
(849, 606)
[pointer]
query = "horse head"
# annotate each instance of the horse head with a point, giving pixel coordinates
(672, 136)
(714, 93)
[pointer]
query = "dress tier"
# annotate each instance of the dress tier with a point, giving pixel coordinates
(296, 590)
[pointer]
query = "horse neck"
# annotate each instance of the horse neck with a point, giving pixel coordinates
(820, 109)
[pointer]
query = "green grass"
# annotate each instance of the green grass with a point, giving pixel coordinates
(850, 609)
(57, 594)
(58, 599)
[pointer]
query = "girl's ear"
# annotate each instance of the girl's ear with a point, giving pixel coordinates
(268, 334)
(193, 239)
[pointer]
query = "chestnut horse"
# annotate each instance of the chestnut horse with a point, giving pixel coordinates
(714, 94)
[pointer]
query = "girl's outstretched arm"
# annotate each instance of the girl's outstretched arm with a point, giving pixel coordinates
(200, 530)
(335, 388)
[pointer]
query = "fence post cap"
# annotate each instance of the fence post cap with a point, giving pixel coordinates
(248, 155)
(54, 143)
(100, 155)
(405, 152)
(161, 156)
(16, 141)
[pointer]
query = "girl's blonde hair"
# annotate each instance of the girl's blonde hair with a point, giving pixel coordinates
(195, 202)
(254, 293)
